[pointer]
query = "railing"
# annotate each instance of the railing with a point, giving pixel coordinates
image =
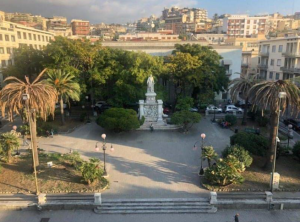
(290, 69)
(262, 66)
(264, 53)
(291, 54)
(229, 72)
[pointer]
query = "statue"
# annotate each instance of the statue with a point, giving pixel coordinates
(150, 84)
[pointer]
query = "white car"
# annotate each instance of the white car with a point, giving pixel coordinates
(99, 104)
(194, 109)
(232, 108)
(213, 109)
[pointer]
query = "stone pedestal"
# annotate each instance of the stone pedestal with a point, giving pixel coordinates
(150, 97)
(141, 109)
(160, 111)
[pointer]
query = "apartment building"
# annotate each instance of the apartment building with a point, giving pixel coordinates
(59, 26)
(279, 58)
(148, 37)
(239, 26)
(212, 38)
(250, 48)
(13, 35)
(80, 27)
(27, 19)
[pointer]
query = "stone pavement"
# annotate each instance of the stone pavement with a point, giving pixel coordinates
(144, 164)
(89, 216)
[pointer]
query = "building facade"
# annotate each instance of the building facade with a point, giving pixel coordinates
(80, 27)
(13, 35)
(148, 37)
(279, 58)
(240, 26)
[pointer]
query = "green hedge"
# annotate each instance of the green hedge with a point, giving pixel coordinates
(232, 119)
(255, 144)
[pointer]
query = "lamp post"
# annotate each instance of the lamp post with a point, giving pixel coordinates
(14, 128)
(281, 95)
(104, 149)
(290, 134)
(26, 98)
(87, 110)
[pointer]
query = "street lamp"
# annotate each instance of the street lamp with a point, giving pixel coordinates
(15, 131)
(87, 110)
(281, 95)
(104, 149)
(26, 98)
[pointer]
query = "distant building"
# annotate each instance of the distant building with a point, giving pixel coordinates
(148, 37)
(27, 19)
(297, 16)
(80, 27)
(239, 26)
(59, 26)
(13, 35)
(212, 38)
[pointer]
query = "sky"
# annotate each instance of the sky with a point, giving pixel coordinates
(123, 11)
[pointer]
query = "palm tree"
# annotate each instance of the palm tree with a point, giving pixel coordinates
(66, 87)
(266, 95)
(243, 85)
(209, 153)
(41, 101)
(8, 142)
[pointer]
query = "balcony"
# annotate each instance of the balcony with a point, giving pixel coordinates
(244, 64)
(291, 54)
(290, 69)
(264, 53)
(228, 72)
(262, 66)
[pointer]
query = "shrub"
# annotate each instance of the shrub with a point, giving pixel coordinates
(82, 117)
(240, 153)
(142, 120)
(224, 172)
(184, 103)
(296, 149)
(8, 143)
(91, 171)
(262, 121)
(73, 159)
(24, 129)
(185, 118)
(232, 119)
(119, 119)
(209, 153)
(255, 144)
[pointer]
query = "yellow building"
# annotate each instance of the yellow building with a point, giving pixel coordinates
(13, 35)
(250, 51)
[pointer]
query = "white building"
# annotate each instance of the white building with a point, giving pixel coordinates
(245, 26)
(279, 58)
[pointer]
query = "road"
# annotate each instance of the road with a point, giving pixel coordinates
(89, 216)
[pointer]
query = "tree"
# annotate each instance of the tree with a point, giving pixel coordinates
(66, 87)
(119, 119)
(186, 119)
(8, 142)
(266, 96)
(41, 101)
(241, 86)
(209, 153)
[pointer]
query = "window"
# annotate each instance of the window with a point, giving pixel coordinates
(277, 76)
(271, 75)
(272, 62)
(35, 46)
(8, 50)
(3, 63)
(11, 26)
(13, 38)
(1, 50)
(43, 37)
(1, 38)
(19, 35)
(39, 37)
(46, 38)
(34, 36)
(24, 35)
(278, 62)
(280, 48)
(6, 37)
(29, 36)
(259, 60)
(274, 48)
(9, 62)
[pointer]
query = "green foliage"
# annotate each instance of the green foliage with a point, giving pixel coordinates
(142, 120)
(231, 119)
(83, 116)
(184, 103)
(91, 171)
(205, 98)
(262, 121)
(240, 153)
(8, 143)
(119, 119)
(185, 118)
(43, 127)
(226, 171)
(73, 159)
(209, 153)
(24, 129)
(296, 149)
(255, 144)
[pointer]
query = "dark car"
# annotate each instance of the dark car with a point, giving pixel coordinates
(103, 108)
(294, 122)
(242, 104)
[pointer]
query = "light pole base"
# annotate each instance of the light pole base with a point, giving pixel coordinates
(105, 175)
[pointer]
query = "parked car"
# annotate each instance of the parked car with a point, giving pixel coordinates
(242, 104)
(294, 122)
(166, 110)
(194, 109)
(103, 108)
(213, 109)
(232, 108)
(99, 104)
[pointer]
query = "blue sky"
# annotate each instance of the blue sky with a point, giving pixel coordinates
(122, 11)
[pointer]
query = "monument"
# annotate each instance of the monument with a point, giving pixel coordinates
(151, 109)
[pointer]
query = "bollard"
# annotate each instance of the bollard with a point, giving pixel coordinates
(41, 198)
(97, 199)
(213, 198)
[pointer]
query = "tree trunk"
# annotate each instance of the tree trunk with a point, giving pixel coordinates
(9, 155)
(62, 111)
(244, 122)
(272, 139)
(34, 138)
(208, 161)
